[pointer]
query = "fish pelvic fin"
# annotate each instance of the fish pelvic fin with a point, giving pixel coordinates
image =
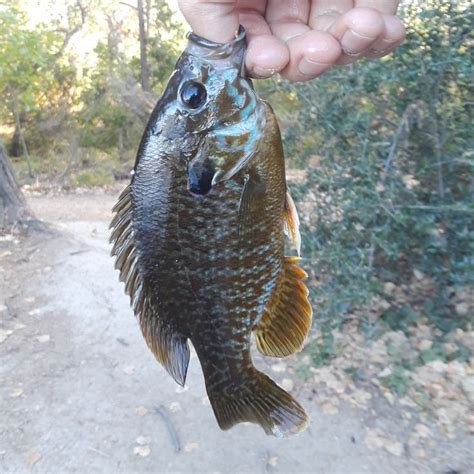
(286, 320)
(291, 223)
(169, 348)
(260, 401)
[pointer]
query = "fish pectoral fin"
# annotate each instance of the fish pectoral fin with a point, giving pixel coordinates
(292, 222)
(287, 317)
(252, 192)
(169, 348)
(261, 401)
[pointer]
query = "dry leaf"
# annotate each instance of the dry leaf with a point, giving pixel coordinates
(418, 275)
(273, 461)
(4, 333)
(191, 447)
(395, 448)
(142, 451)
(329, 409)
(425, 345)
(462, 309)
(420, 453)
(43, 338)
(175, 406)
(129, 369)
(32, 458)
(373, 438)
(16, 392)
(422, 430)
(389, 288)
(287, 384)
(142, 440)
(141, 410)
(281, 367)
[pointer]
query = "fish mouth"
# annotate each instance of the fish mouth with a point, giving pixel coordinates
(230, 55)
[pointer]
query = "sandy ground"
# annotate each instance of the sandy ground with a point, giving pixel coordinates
(80, 392)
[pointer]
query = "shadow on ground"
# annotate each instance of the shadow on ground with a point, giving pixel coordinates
(80, 392)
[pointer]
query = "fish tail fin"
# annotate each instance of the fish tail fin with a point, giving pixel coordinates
(260, 401)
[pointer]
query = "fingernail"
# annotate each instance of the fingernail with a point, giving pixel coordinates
(309, 68)
(262, 72)
(353, 43)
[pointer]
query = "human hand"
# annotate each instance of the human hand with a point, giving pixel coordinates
(299, 38)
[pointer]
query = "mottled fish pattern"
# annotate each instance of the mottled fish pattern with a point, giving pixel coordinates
(198, 237)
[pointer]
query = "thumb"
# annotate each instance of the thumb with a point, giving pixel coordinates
(215, 20)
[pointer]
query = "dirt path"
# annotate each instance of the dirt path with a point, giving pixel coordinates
(80, 392)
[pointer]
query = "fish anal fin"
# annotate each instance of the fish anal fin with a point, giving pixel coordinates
(260, 401)
(170, 348)
(286, 320)
(292, 222)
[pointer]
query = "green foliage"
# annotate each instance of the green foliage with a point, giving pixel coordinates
(397, 381)
(64, 106)
(387, 145)
(34, 77)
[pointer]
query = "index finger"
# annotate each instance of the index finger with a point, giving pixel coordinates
(215, 20)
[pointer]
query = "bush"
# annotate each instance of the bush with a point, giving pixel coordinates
(389, 191)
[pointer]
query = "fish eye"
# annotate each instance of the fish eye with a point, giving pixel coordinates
(193, 94)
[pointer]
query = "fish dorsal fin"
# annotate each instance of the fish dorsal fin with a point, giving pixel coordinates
(170, 349)
(292, 222)
(286, 320)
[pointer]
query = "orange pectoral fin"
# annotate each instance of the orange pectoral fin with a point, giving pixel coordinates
(286, 320)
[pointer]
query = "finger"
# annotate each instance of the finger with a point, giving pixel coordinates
(266, 54)
(287, 18)
(324, 13)
(214, 20)
(393, 35)
(311, 53)
(357, 30)
(383, 6)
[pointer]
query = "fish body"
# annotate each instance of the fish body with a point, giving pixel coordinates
(199, 238)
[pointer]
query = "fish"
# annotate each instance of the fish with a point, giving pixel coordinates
(199, 238)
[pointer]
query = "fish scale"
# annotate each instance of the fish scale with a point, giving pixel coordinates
(198, 236)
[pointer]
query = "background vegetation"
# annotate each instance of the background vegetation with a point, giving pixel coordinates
(386, 149)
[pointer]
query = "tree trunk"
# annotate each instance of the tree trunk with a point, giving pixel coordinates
(12, 202)
(21, 137)
(144, 71)
(15, 145)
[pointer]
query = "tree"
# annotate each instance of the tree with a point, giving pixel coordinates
(12, 201)
(35, 78)
(143, 33)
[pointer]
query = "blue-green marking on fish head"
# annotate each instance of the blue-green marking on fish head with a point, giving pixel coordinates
(209, 116)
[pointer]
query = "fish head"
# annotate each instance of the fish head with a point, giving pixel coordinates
(210, 116)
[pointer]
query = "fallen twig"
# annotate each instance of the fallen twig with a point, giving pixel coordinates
(163, 412)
